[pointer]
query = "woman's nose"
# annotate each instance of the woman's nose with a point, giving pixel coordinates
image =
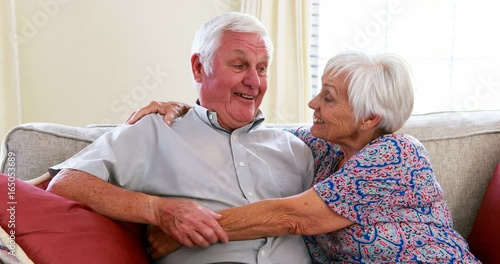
(313, 103)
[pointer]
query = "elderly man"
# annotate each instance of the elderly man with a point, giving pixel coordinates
(218, 156)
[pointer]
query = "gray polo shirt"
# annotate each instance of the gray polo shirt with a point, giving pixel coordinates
(197, 159)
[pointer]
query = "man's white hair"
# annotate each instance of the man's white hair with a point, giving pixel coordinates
(207, 38)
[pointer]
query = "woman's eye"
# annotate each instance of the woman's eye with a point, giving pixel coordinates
(328, 97)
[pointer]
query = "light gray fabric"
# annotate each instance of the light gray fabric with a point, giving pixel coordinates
(198, 160)
(37, 146)
(464, 148)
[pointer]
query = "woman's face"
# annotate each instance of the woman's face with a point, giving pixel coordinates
(333, 118)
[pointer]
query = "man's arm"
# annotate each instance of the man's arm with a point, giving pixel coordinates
(188, 222)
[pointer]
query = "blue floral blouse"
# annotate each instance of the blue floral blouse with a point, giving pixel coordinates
(389, 191)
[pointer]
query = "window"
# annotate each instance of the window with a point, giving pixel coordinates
(453, 46)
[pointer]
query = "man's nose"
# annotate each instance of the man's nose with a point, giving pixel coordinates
(252, 78)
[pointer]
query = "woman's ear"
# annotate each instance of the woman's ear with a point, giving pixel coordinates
(370, 122)
(196, 67)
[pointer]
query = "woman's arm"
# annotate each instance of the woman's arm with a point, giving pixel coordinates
(302, 214)
(170, 110)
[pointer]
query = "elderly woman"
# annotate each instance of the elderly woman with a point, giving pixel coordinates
(374, 198)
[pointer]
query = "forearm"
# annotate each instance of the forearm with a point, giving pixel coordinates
(103, 197)
(303, 214)
(260, 219)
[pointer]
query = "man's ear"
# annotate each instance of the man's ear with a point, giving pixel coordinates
(196, 67)
(370, 122)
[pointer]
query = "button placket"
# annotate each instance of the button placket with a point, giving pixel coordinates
(242, 170)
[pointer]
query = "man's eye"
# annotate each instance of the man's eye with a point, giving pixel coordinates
(238, 66)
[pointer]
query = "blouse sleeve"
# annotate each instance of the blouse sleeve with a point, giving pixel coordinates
(390, 180)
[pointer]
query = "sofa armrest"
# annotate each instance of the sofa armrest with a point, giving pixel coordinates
(34, 147)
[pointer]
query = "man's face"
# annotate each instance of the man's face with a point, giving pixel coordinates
(239, 79)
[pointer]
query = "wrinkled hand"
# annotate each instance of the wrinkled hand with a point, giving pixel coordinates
(170, 110)
(189, 223)
(160, 244)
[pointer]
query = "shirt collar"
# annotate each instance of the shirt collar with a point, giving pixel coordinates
(210, 118)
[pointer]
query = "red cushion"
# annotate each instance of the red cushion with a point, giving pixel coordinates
(54, 229)
(484, 239)
(44, 185)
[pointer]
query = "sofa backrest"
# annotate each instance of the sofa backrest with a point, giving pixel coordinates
(464, 148)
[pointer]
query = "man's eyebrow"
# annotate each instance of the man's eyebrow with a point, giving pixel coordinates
(244, 54)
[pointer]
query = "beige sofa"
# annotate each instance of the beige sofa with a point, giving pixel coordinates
(464, 148)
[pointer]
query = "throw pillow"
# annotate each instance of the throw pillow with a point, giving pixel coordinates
(10, 252)
(42, 181)
(484, 239)
(54, 229)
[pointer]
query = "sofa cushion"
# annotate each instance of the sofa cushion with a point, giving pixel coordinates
(484, 239)
(64, 231)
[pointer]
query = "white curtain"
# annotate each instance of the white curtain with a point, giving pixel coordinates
(289, 83)
(10, 98)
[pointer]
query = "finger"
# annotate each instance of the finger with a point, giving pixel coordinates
(155, 235)
(182, 238)
(213, 214)
(152, 107)
(136, 116)
(184, 108)
(209, 235)
(198, 240)
(169, 118)
(162, 250)
(219, 233)
(129, 118)
(157, 252)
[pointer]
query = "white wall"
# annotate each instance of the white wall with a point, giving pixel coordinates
(94, 61)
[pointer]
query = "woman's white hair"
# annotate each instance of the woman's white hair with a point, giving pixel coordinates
(378, 85)
(207, 38)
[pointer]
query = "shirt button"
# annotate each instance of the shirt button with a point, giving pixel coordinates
(235, 137)
(262, 253)
(250, 194)
(242, 163)
(210, 116)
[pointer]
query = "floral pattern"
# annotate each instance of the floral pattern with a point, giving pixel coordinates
(389, 191)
